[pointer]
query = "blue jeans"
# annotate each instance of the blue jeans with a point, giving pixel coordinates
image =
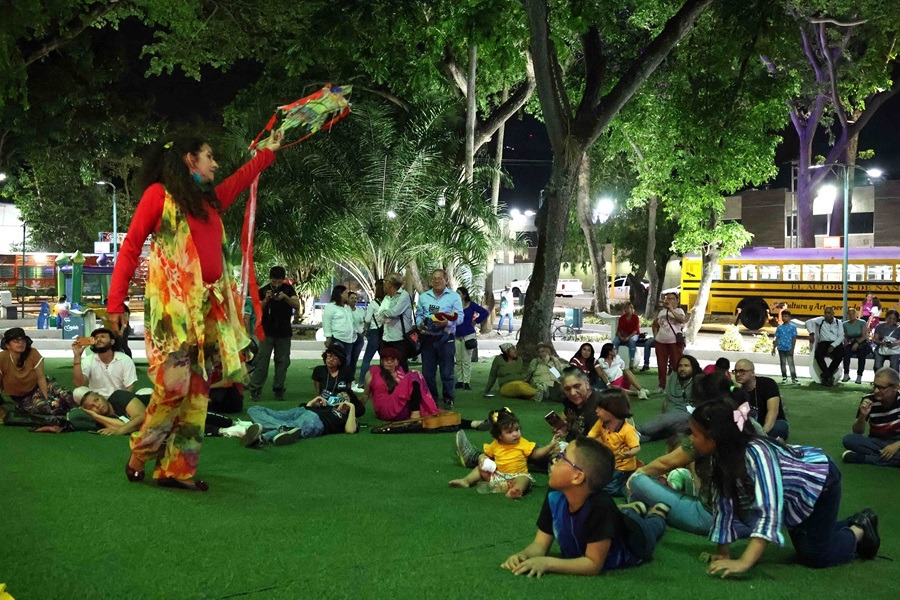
(648, 348)
(862, 350)
(821, 540)
(780, 429)
(643, 533)
(664, 425)
(439, 352)
(353, 356)
(373, 341)
(272, 420)
(616, 487)
(870, 450)
(500, 323)
(632, 347)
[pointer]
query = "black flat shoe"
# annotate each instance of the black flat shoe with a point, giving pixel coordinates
(134, 475)
(169, 482)
(870, 543)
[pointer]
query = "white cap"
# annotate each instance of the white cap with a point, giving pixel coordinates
(79, 392)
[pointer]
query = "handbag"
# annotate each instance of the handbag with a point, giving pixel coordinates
(679, 336)
(411, 339)
(471, 343)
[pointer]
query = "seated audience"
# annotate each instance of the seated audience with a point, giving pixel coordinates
(593, 534)
(104, 370)
(881, 409)
(886, 338)
(509, 372)
(585, 361)
(332, 377)
(722, 365)
(764, 398)
(674, 416)
(612, 371)
(544, 371)
(22, 377)
(617, 434)
(628, 330)
(397, 395)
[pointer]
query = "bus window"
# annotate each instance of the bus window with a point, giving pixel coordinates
(717, 273)
(748, 273)
(731, 272)
(880, 273)
(769, 272)
(792, 272)
(856, 272)
(812, 272)
(833, 273)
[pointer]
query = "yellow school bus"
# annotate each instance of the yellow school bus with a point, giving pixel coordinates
(806, 279)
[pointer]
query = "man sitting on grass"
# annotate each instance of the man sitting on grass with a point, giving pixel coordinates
(882, 410)
(320, 416)
(592, 532)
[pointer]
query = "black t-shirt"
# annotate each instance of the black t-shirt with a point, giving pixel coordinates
(765, 388)
(120, 399)
(276, 316)
(580, 419)
(329, 385)
(598, 519)
(333, 419)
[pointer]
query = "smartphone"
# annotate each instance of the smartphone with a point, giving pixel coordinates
(555, 421)
(84, 341)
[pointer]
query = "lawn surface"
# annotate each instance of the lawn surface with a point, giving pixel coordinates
(366, 516)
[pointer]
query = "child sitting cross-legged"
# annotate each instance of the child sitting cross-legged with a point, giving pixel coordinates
(617, 434)
(503, 467)
(592, 532)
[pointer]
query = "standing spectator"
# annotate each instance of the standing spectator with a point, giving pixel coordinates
(438, 312)
(785, 343)
(194, 326)
(337, 321)
(627, 332)
(22, 377)
(372, 325)
(103, 370)
(396, 312)
(359, 327)
(856, 336)
(882, 411)
(866, 307)
(764, 398)
(829, 340)
(473, 315)
(669, 323)
(279, 301)
(887, 341)
(507, 308)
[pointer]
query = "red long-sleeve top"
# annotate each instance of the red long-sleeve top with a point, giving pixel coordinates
(207, 235)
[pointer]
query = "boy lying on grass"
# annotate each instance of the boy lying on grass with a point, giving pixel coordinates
(592, 532)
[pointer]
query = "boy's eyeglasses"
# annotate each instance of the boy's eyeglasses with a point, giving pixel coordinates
(562, 456)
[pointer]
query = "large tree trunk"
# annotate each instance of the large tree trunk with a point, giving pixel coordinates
(806, 237)
(655, 280)
(698, 312)
(471, 115)
(591, 235)
(553, 219)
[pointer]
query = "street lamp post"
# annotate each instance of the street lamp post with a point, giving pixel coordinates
(115, 220)
(847, 173)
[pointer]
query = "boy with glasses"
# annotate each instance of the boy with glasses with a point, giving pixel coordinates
(882, 410)
(592, 532)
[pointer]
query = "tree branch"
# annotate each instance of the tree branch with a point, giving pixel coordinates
(811, 56)
(647, 61)
(871, 107)
(838, 23)
(500, 115)
(451, 69)
(556, 119)
(832, 78)
(594, 71)
(72, 30)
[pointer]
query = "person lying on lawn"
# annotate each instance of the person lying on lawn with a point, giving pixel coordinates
(320, 416)
(592, 532)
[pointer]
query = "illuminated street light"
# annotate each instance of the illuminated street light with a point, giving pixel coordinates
(391, 214)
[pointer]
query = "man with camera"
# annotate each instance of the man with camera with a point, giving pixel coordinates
(320, 416)
(103, 370)
(279, 301)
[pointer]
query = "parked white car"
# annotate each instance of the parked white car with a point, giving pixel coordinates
(564, 287)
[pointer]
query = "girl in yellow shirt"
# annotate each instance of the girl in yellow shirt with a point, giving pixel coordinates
(618, 435)
(503, 466)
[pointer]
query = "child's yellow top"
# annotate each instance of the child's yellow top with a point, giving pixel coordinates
(624, 439)
(510, 459)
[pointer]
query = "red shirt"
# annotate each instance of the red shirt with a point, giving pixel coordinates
(629, 325)
(207, 235)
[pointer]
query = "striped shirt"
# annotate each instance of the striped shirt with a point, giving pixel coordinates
(785, 488)
(884, 422)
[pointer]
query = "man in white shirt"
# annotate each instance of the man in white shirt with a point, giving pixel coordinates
(829, 341)
(103, 370)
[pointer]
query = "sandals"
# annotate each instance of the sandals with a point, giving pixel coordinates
(639, 507)
(660, 509)
(133, 475)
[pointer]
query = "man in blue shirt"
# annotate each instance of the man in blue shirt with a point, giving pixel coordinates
(438, 313)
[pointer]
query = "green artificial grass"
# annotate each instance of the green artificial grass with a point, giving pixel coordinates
(366, 516)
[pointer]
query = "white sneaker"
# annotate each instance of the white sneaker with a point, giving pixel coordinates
(356, 389)
(644, 394)
(660, 390)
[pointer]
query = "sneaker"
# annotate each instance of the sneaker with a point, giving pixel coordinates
(492, 487)
(356, 388)
(846, 378)
(796, 382)
(659, 390)
(253, 437)
(867, 520)
(466, 386)
(660, 509)
(458, 385)
(859, 380)
(645, 368)
(783, 380)
(449, 404)
(644, 394)
(285, 438)
(466, 451)
(639, 507)
(854, 458)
